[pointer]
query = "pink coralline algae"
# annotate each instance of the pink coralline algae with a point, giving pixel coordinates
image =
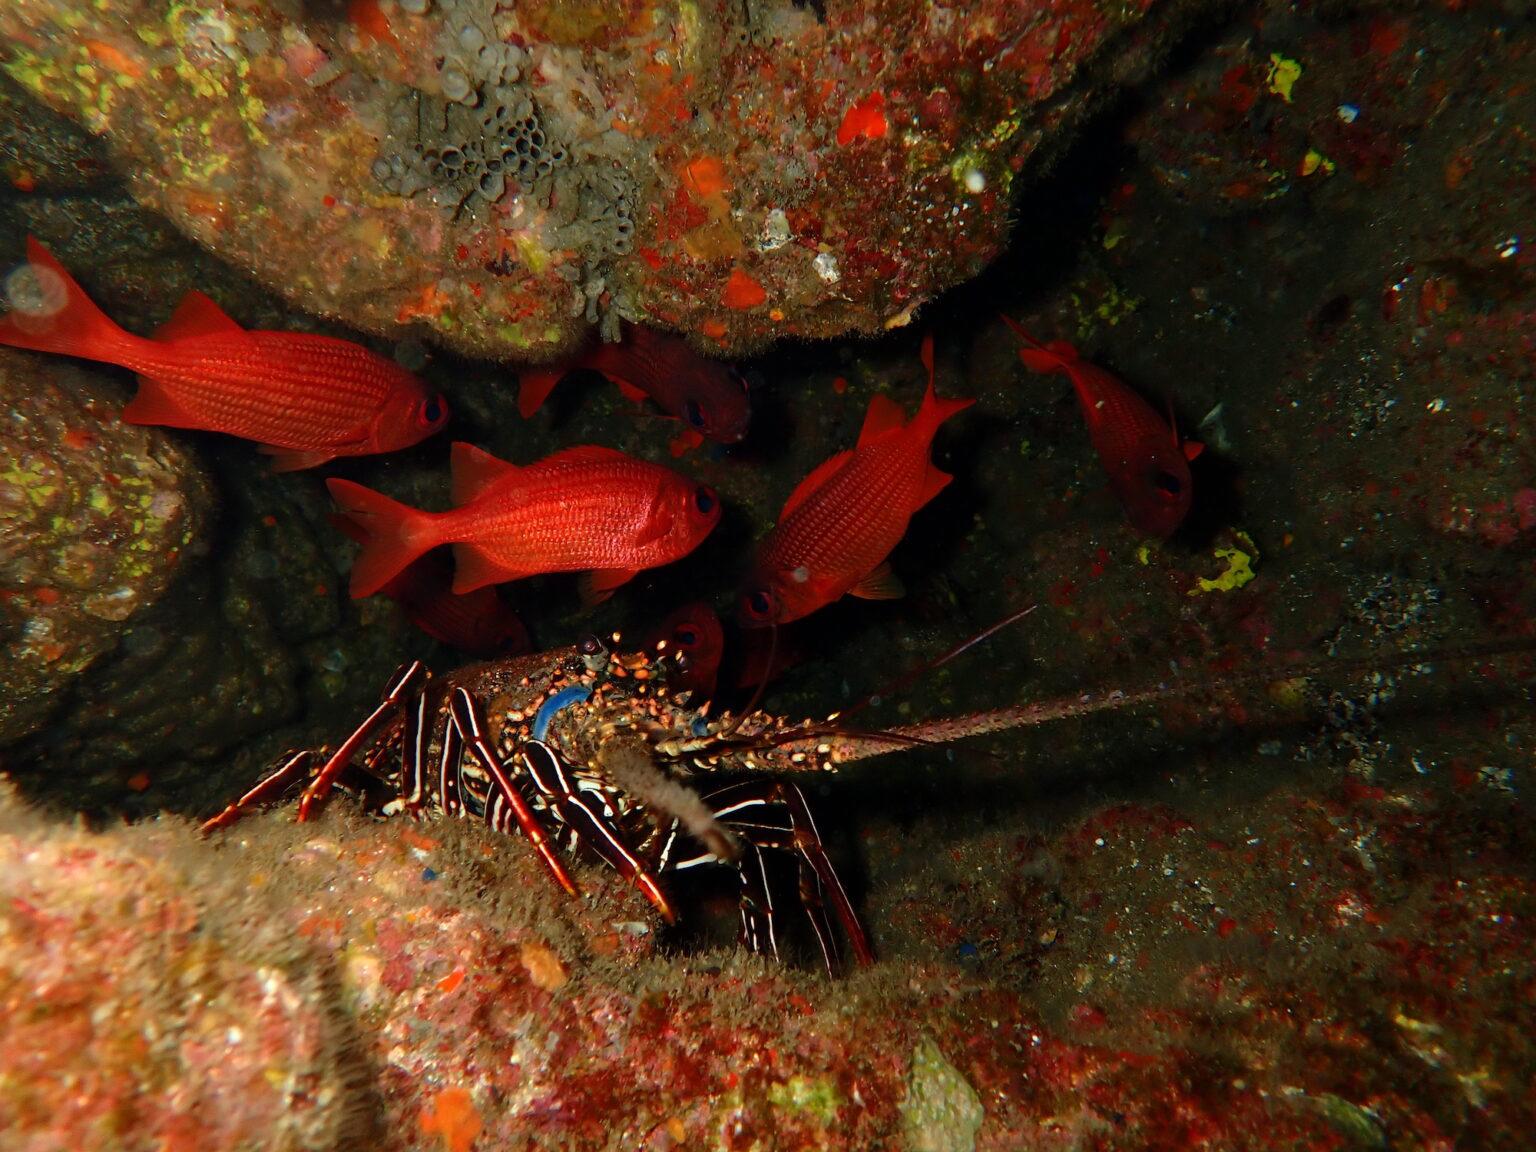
(1140, 979)
(502, 179)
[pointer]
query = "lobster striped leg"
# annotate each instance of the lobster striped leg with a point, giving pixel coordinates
(415, 737)
(408, 678)
(464, 714)
(773, 814)
(585, 821)
(291, 767)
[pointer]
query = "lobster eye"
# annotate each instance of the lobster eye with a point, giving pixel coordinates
(693, 413)
(705, 500)
(686, 635)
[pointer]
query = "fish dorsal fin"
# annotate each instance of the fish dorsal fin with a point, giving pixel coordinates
(197, 317)
(475, 470)
(934, 482)
(1055, 356)
(534, 386)
(586, 454)
(880, 584)
(819, 476)
(884, 415)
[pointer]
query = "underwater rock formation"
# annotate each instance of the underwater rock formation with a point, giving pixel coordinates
(95, 519)
(504, 180)
(1143, 976)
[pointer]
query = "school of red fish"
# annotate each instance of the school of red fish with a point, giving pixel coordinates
(306, 399)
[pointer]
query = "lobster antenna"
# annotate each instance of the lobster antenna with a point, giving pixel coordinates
(907, 679)
(1193, 683)
(757, 693)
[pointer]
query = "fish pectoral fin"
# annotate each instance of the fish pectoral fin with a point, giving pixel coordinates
(474, 470)
(884, 415)
(294, 459)
(819, 476)
(1191, 450)
(599, 584)
(154, 404)
(881, 584)
(197, 316)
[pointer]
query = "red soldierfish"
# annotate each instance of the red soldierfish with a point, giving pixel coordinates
(840, 524)
(479, 623)
(708, 396)
(694, 634)
(305, 399)
(583, 509)
(1147, 465)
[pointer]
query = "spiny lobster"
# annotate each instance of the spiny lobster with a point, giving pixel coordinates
(586, 746)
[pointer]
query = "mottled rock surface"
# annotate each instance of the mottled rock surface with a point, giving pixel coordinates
(96, 517)
(170, 1030)
(504, 178)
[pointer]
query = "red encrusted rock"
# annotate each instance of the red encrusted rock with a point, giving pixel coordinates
(503, 177)
(133, 1022)
(428, 987)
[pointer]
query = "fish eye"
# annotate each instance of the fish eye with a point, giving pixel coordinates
(433, 410)
(590, 645)
(759, 604)
(686, 635)
(705, 500)
(693, 413)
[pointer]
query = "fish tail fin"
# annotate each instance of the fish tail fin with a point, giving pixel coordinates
(394, 534)
(533, 387)
(53, 314)
(937, 409)
(1037, 357)
(934, 410)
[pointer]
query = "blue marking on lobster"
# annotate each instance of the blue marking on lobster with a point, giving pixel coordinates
(561, 699)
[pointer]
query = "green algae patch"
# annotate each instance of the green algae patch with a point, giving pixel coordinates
(941, 1112)
(817, 1097)
(1239, 571)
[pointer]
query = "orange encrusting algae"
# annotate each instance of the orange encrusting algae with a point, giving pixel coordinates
(865, 119)
(742, 292)
(452, 1115)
